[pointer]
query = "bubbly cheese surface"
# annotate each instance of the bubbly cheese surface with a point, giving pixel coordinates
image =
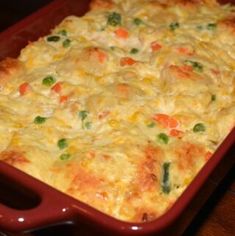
(122, 107)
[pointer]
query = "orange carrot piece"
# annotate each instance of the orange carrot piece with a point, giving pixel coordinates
(176, 133)
(155, 46)
(24, 88)
(102, 56)
(186, 68)
(123, 89)
(57, 87)
(166, 121)
(103, 114)
(121, 33)
(215, 71)
(63, 99)
(185, 51)
(127, 61)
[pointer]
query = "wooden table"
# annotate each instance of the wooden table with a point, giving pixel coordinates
(217, 218)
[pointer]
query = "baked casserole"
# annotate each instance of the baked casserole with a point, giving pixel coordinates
(122, 107)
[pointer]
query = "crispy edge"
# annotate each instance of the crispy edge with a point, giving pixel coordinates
(13, 157)
(101, 4)
(9, 67)
(228, 23)
(184, 3)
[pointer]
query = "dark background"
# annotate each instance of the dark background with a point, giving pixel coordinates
(12, 11)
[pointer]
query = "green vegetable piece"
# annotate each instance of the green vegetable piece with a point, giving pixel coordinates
(213, 97)
(62, 143)
(151, 125)
(48, 81)
(53, 38)
(83, 115)
(163, 138)
(87, 125)
(165, 183)
(63, 32)
(66, 43)
(114, 19)
(199, 27)
(134, 50)
(137, 21)
(211, 26)
(65, 156)
(174, 25)
(199, 127)
(197, 66)
(39, 120)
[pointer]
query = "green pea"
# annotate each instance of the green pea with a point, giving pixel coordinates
(134, 50)
(163, 138)
(83, 115)
(53, 38)
(137, 21)
(62, 143)
(39, 120)
(199, 127)
(174, 25)
(114, 19)
(66, 43)
(213, 97)
(151, 125)
(197, 66)
(65, 156)
(211, 26)
(63, 32)
(87, 125)
(48, 81)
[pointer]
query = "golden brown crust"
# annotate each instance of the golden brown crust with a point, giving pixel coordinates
(187, 154)
(185, 3)
(8, 67)
(228, 22)
(148, 168)
(13, 157)
(101, 4)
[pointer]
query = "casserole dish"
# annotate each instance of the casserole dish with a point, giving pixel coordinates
(75, 211)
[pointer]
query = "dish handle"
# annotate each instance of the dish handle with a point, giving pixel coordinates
(52, 206)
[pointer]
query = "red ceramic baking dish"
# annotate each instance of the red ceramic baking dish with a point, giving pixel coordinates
(35, 205)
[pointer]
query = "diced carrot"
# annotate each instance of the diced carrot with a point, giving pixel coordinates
(127, 61)
(185, 51)
(155, 46)
(97, 53)
(121, 33)
(57, 87)
(103, 114)
(24, 88)
(176, 133)
(186, 68)
(123, 89)
(166, 121)
(63, 99)
(182, 72)
(102, 56)
(215, 71)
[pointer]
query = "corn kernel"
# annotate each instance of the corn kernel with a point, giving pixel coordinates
(187, 180)
(113, 123)
(134, 117)
(147, 80)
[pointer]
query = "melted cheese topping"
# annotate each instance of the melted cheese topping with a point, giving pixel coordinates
(122, 107)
